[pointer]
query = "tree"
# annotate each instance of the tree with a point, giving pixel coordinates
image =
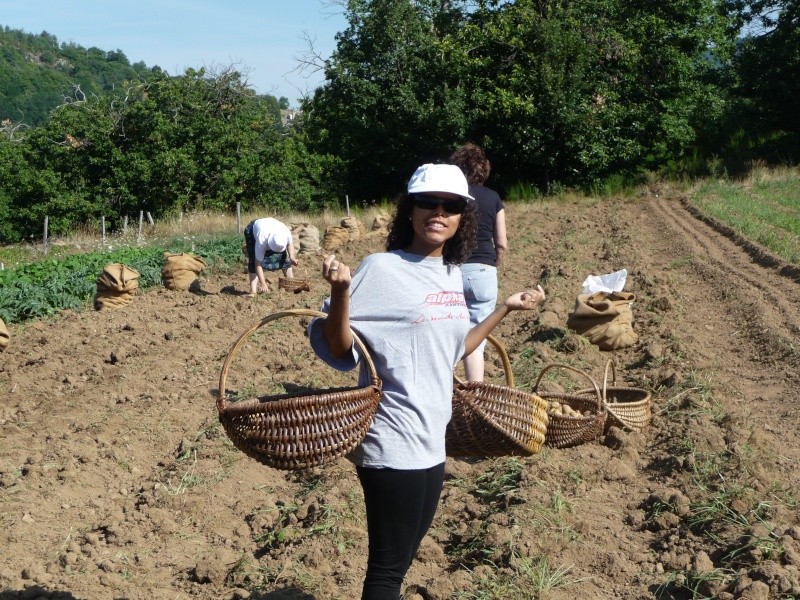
(390, 100)
(767, 69)
(557, 91)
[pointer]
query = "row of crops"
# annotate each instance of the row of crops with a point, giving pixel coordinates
(43, 288)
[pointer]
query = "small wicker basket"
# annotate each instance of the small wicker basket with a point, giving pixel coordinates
(628, 407)
(294, 432)
(564, 431)
(294, 284)
(493, 420)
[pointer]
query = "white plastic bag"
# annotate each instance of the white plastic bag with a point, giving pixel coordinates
(610, 282)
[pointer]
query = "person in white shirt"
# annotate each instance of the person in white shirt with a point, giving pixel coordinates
(408, 305)
(270, 248)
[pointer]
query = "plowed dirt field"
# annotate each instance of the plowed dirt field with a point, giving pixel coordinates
(117, 481)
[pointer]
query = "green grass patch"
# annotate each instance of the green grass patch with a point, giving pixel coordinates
(766, 210)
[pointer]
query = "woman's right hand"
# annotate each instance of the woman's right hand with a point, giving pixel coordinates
(336, 273)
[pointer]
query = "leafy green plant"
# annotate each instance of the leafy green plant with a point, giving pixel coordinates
(43, 288)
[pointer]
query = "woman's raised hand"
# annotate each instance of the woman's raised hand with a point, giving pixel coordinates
(336, 272)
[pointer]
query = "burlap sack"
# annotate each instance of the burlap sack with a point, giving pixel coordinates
(116, 286)
(306, 238)
(5, 337)
(381, 223)
(334, 238)
(355, 228)
(180, 270)
(605, 318)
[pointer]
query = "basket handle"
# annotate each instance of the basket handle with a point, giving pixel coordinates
(600, 400)
(303, 312)
(509, 374)
(613, 367)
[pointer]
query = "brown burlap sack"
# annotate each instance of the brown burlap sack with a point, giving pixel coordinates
(355, 228)
(5, 337)
(605, 318)
(334, 238)
(116, 286)
(381, 222)
(306, 238)
(112, 300)
(180, 270)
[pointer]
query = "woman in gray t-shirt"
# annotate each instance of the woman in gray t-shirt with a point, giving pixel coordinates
(407, 304)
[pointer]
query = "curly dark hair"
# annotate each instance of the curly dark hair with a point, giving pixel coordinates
(456, 250)
(471, 159)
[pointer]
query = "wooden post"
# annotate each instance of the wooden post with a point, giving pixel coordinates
(141, 222)
(125, 225)
(150, 219)
(44, 238)
(103, 228)
(347, 203)
(239, 218)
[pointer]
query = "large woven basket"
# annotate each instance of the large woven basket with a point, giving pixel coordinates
(493, 420)
(628, 407)
(564, 431)
(292, 431)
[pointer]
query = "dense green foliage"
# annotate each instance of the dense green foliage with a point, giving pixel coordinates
(45, 287)
(37, 74)
(164, 145)
(765, 83)
(556, 91)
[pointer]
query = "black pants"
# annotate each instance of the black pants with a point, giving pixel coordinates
(400, 509)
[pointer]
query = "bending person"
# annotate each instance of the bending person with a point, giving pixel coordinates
(269, 248)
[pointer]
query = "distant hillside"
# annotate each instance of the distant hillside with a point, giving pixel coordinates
(37, 73)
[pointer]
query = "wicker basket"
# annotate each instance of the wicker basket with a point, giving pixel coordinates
(294, 284)
(628, 407)
(564, 431)
(494, 420)
(295, 432)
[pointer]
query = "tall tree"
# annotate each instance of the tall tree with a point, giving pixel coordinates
(391, 99)
(767, 66)
(556, 90)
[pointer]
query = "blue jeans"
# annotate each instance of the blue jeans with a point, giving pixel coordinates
(480, 291)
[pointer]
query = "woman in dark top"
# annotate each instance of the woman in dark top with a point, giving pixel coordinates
(480, 269)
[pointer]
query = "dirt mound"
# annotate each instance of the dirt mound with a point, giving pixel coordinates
(117, 481)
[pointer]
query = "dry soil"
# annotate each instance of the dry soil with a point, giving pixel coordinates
(117, 481)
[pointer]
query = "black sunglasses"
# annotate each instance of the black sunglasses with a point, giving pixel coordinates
(454, 207)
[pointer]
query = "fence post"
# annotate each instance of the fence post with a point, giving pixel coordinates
(44, 237)
(103, 227)
(150, 219)
(347, 203)
(238, 218)
(141, 222)
(125, 225)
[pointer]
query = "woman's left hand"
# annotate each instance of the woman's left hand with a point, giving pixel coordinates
(527, 300)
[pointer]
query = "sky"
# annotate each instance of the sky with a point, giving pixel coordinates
(260, 38)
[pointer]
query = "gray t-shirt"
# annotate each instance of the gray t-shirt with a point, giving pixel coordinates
(410, 312)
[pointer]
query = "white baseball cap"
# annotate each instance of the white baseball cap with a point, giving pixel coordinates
(439, 178)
